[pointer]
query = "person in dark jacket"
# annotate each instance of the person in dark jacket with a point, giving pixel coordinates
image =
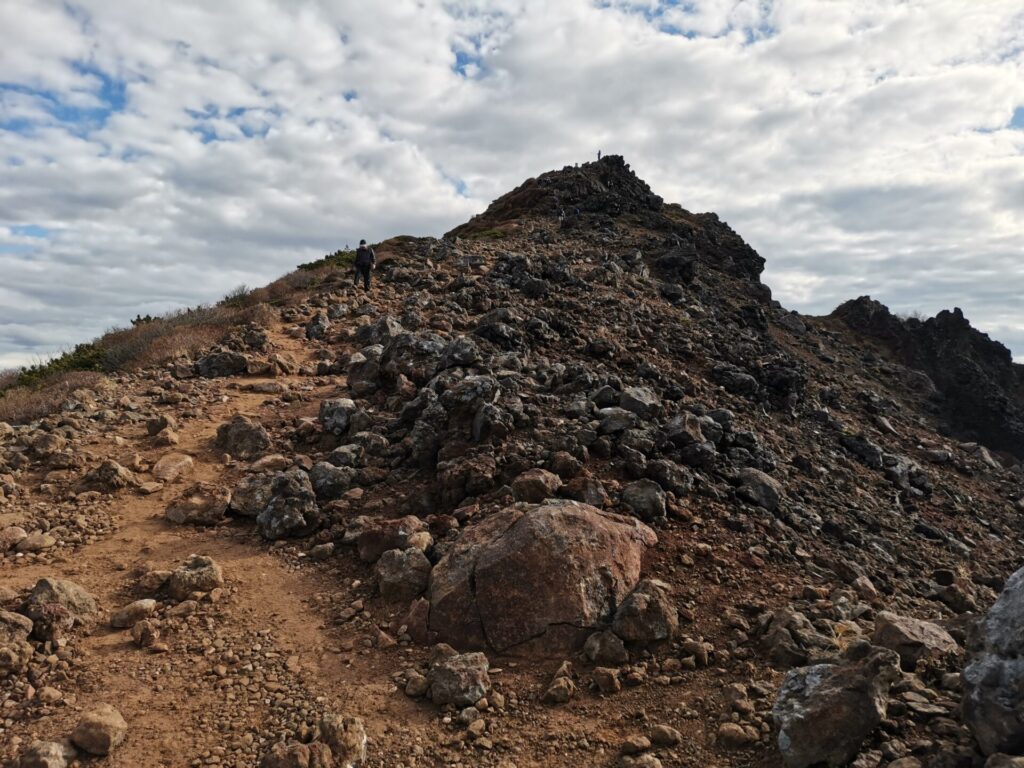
(366, 260)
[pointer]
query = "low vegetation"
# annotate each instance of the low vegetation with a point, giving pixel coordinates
(37, 390)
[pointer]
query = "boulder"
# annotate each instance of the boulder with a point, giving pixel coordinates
(640, 400)
(378, 536)
(317, 327)
(346, 736)
(330, 482)
(46, 754)
(535, 486)
(67, 595)
(15, 650)
(292, 509)
(825, 712)
(199, 504)
(99, 730)
(335, 415)
(252, 494)
(11, 536)
(645, 498)
(402, 574)
(172, 466)
(110, 476)
(647, 615)
(222, 363)
(605, 648)
(242, 438)
(536, 578)
(457, 678)
(760, 489)
(292, 754)
(132, 613)
(993, 681)
(198, 574)
(913, 639)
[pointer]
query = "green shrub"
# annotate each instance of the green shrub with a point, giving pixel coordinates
(84, 357)
(336, 260)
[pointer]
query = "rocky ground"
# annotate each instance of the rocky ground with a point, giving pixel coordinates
(565, 488)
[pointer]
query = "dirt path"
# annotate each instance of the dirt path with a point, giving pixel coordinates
(239, 668)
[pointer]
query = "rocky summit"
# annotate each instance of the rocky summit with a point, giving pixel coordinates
(564, 487)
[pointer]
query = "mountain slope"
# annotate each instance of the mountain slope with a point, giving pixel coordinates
(576, 429)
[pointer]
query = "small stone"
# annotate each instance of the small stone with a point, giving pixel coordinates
(130, 614)
(634, 745)
(100, 730)
(665, 736)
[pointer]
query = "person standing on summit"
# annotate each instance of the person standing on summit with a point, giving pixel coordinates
(366, 260)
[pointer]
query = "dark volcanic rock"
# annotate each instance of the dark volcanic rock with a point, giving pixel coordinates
(983, 388)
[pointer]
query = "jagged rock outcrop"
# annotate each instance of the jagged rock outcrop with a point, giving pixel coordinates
(982, 389)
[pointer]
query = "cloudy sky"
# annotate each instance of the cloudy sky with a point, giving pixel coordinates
(155, 155)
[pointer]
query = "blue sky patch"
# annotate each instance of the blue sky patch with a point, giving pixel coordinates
(1017, 121)
(30, 230)
(467, 64)
(79, 120)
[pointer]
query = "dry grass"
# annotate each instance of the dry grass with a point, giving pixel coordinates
(164, 338)
(38, 390)
(23, 404)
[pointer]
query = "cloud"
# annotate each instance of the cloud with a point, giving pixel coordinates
(155, 155)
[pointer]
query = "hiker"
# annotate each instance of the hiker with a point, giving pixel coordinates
(366, 259)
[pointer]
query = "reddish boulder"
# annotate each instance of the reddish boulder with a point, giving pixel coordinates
(536, 579)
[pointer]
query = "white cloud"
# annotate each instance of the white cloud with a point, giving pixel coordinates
(862, 146)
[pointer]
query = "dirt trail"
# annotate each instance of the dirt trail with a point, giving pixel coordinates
(176, 717)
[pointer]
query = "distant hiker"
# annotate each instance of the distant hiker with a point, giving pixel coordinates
(599, 155)
(366, 260)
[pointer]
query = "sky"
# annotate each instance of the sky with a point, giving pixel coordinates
(157, 155)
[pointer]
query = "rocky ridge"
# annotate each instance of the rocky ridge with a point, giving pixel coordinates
(566, 487)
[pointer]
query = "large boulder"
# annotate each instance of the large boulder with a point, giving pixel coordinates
(242, 438)
(913, 639)
(993, 681)
(536, 578)
(292, 510)
(825, 712)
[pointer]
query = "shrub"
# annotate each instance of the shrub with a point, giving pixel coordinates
(20, 404)
(336, 260)
(495, 233)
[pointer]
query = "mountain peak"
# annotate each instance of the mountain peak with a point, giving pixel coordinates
(606, 187)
